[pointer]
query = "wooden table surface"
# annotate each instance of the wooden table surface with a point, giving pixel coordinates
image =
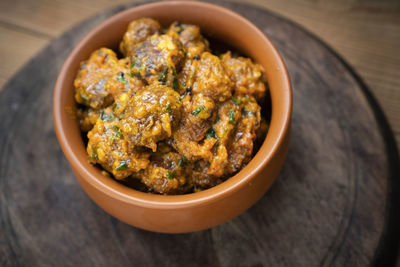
(365, 33)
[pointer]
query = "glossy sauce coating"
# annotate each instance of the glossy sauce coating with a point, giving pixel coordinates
(170, 113)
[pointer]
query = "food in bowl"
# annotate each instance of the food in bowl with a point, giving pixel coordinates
(168, 116)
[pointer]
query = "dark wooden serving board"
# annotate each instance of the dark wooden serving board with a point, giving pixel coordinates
(334, 203)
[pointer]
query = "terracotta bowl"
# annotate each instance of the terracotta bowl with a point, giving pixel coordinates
(195, 211)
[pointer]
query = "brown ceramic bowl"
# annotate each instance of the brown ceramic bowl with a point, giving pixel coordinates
(195, 211)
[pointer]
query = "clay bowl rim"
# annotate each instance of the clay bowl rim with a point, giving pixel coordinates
(123, 193)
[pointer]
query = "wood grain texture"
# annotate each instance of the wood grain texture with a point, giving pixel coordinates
(24, 45)
(329, 206)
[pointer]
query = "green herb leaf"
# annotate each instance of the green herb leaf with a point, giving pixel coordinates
(231, 116)
(84, 98)
(104, 116)
(163, 76)
(170, 174)
(175, 82)
(211, 133)
(168, 109)
(237, 101)
(216, 118)
(121, 78)
(196, 57)
(198, 110)
(135, 65)
(107, 118)
(122, 166)
(248, 113)
(117, 131)
(93, 156)
(179, 30)
(182, 162)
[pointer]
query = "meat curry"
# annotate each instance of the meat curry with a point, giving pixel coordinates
(168, 113)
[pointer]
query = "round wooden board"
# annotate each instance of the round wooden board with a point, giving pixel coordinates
(332, 205)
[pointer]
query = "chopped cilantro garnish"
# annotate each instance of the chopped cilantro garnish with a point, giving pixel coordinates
(170, 174)
(163, 76)
(168, 109)
(182, 161)
(121, 78)
(84, 98)
(175, 82)
(246, 112)
(179, 30)
(93, 157)
(216, 118)
(237, 101)
(136, 65)
(211, 133)
(122, 166)
(196, 57)
(114, 107)
(198, 110)
(231, 116)
(117, 131)
(104, 116)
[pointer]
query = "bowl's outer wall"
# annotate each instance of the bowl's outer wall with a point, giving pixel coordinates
(188, 212)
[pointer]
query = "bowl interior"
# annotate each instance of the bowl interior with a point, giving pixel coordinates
(216, 22)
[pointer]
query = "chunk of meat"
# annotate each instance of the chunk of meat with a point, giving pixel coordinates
(207, 76)
(102, 78)
(157, 60)
(110, 147)
(195, 123)
(138, 31)
(200, 177)
(198, 112)
(190, 37)
(160, 179)
(228, 114)
(151, 115)
(246, 75)
(240, 146)
(191, 149)
(87, 118)
(90, 82)
(122, 81)
(166, 173)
